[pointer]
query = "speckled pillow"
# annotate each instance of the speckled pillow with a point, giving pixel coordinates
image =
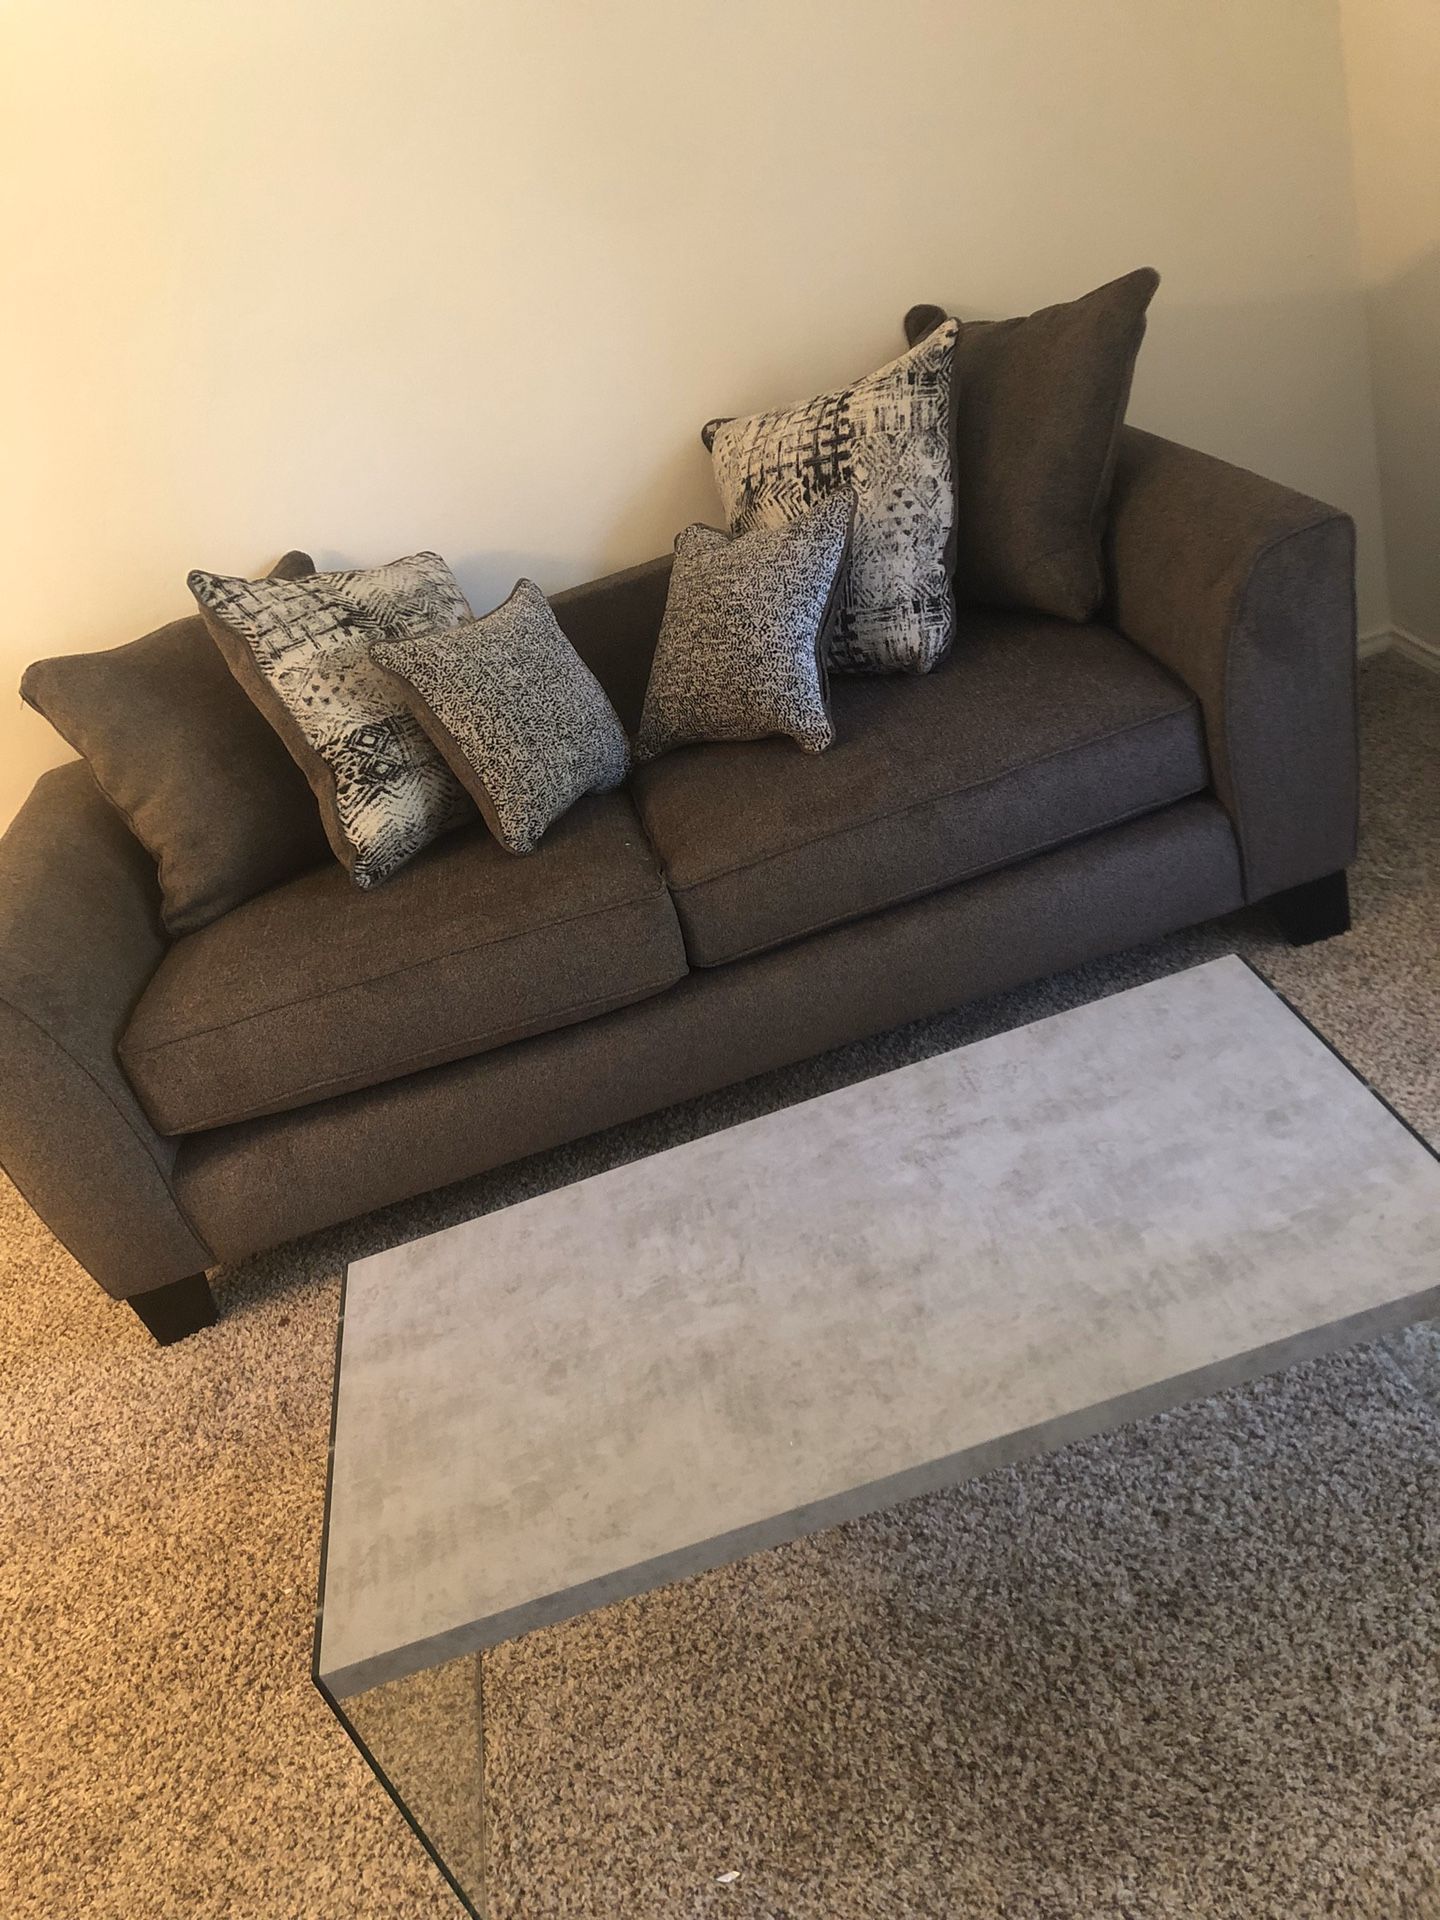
(302, 650)
(741, 650)
(520, 719)
(890, 439)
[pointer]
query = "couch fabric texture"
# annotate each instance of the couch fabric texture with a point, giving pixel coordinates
(741, 650)
(889, 439)
(302, 651)
(80, 936)
(520, 719)
(613, 624)
(1032, 733)
(270, 1179)
(1039, 407)
(1054, 791)
(314, 989)
(1246, 590)
(175, 746)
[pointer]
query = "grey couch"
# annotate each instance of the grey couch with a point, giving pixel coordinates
(1051, 793)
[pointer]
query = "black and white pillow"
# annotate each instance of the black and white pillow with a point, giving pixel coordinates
(890, 440)
(521, 720)
(740, 653)
(302, 650)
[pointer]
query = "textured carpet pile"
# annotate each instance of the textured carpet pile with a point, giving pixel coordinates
(1191, 1668)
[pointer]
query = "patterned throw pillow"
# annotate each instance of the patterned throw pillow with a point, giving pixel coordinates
(519, 717)
(302, 650)
(741, 648)
(888, 438)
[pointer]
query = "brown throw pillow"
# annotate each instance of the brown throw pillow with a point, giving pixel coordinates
(178, 750)
(1039, 404)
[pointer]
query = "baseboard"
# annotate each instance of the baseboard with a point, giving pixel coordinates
(1425, 653)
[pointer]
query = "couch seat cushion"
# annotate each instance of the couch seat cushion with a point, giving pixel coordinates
(1033, 732)
(315, 988)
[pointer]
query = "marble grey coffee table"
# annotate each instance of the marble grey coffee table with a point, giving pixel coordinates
(870, 1295)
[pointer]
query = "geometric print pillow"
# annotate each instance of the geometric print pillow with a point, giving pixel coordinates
(301, 650)
(889, 439)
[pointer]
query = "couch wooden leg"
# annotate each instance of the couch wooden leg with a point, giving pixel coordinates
(1315, 911)
(170, 1312)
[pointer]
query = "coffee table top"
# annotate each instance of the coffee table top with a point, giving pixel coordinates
(866, 1296)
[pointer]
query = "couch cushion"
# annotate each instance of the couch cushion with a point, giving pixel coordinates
(315, 988)
(301, 651)
(890, 440)
(1034, 732)
(516, 714)
(741, 651)
(180, 753)
(1039, 406)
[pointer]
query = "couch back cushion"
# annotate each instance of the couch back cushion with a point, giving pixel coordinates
(182, 755)
(613, 624)
(1039, 406)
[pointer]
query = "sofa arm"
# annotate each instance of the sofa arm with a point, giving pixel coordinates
(1246, 590)
(79, 938)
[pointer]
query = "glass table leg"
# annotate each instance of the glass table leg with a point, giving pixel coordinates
(425, 1737)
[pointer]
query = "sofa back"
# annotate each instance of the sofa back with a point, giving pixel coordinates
(613, 624)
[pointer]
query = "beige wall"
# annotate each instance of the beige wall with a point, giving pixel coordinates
(361, 275)
(1392, 52)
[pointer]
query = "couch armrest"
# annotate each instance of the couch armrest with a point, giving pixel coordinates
(80, 936)
(612, 624)
(1246, 590)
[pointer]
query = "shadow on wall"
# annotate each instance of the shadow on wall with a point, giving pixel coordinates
(1404, 316)
(1284, 391)
(682, 482)
(1279, 385)
(680, 488)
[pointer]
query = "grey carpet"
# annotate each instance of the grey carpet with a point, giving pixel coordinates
(1192, 1668)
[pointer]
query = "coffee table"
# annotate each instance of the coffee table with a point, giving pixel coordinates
(795, 1321)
